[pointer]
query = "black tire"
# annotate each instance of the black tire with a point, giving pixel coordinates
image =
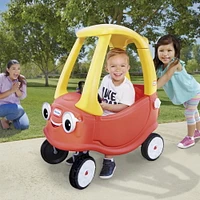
(51, 154)
(152, 147)
(82, 172)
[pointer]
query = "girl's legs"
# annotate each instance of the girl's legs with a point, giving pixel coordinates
(197, 131)
(192, 115)
(197, 119)
(193, 121)
(194, 127)
(15, 113)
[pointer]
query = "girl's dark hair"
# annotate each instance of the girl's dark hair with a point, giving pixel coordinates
(165, 40)
(21, 78)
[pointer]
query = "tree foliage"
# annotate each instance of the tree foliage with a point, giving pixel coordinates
(39, 35)
(43, 31)
(150, 18)
(196, 54)
(8, 47)
(190, 54)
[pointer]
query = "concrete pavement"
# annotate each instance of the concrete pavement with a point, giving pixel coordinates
(174, 176)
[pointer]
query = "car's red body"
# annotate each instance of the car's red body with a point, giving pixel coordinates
(114, 134)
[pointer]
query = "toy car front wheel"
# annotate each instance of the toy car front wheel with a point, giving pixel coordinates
(82, 172)
(51, 154)
(152, 147)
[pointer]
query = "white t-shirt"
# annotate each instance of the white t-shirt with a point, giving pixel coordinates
(122, 94)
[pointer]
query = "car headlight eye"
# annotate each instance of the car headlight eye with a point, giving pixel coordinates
(69, 122)
(46, 110)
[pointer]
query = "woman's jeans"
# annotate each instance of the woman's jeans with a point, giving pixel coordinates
(16, 114)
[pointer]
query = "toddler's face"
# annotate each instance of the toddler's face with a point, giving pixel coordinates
(117, 66)
(166, 53)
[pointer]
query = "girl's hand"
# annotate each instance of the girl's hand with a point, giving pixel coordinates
(175, 63)
(174, 66)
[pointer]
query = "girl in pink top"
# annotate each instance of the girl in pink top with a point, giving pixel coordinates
(12, 90)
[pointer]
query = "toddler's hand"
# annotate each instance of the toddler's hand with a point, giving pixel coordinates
(103, 105)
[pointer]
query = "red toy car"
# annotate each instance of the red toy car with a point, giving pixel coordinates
(75, 121)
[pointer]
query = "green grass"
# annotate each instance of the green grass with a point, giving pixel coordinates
(168, 111)
(38, 94)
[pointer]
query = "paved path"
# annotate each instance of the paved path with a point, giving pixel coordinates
(174, 176)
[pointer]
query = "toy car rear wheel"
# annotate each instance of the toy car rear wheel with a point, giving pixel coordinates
(51, 154)
(82, 172)
(152, 147)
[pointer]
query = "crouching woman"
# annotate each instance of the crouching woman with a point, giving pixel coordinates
(12, 90)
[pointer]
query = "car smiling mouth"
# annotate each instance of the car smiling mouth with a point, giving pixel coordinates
(54, 124)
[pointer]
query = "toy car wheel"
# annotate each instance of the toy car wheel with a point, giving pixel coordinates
(82, 172)
(51, 154)
(152, 147)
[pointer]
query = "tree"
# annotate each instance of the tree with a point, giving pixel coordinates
(44, 29)
(192, 66)
(150, 18)
(196, 55)
(186, 53)
(38, 32)
(8, 47)
(190, 54)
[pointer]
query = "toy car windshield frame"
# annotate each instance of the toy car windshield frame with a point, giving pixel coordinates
(108, 35)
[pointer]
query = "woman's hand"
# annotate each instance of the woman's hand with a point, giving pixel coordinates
(15, 87)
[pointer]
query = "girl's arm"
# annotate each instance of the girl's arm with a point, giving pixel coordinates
(175, 66)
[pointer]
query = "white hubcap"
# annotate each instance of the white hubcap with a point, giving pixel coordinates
(86, 173)
(155, 147)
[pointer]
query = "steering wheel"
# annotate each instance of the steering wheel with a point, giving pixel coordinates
(99, 98)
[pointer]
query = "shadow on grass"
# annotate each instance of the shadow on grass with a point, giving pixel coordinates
(34, 84)
(8, 133)
(37, 84)
(163, 102)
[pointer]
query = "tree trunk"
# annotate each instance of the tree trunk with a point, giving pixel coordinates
(46, 80)
(1, 68)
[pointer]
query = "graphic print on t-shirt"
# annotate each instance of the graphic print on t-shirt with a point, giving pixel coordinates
(109, 96)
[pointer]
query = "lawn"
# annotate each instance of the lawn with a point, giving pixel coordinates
(37, 94)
